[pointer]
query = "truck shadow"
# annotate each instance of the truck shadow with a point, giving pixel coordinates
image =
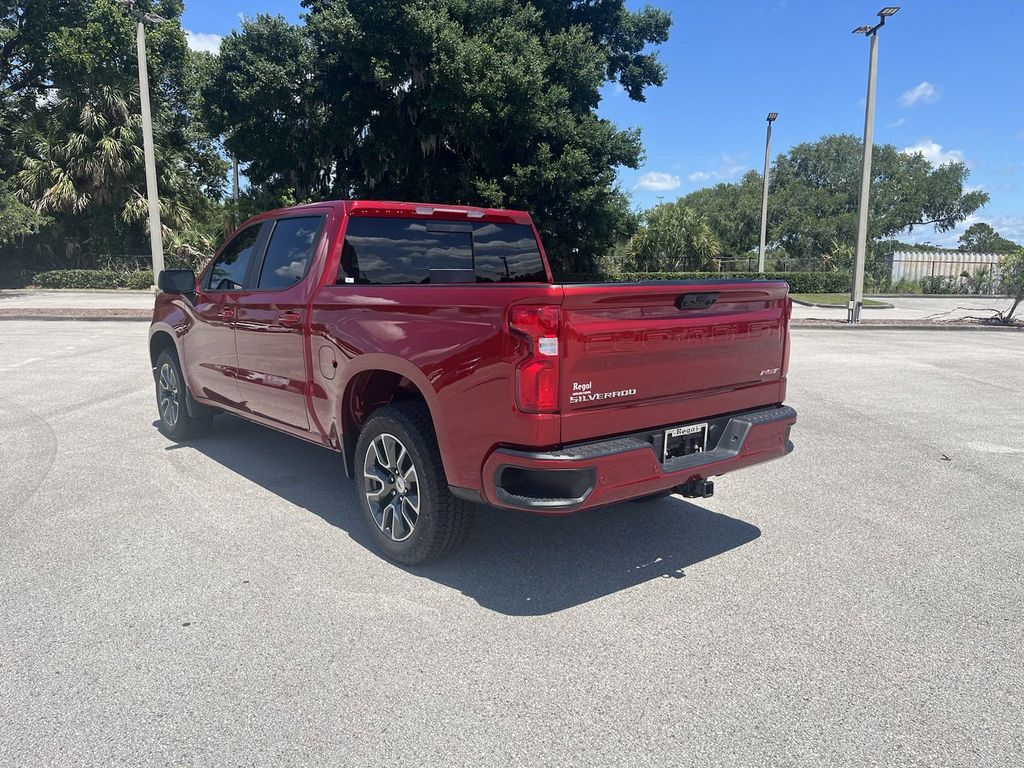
(513, 563)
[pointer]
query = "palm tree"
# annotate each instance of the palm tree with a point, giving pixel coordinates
(85, 154)
(674, 237)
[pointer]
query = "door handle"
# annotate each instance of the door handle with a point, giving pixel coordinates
(289, 318)
(226, 314)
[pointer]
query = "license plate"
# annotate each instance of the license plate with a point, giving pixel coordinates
(683, 441)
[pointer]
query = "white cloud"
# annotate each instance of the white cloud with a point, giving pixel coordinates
(728, 168)
(934, 153)
(1010, 227)
(656, 181)
(899, 122)
(203, 41)
(924, 93)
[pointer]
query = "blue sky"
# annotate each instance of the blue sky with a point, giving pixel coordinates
(950, 84)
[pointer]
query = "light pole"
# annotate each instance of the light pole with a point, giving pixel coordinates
(857, 290)
(772, 116)
(156, 242)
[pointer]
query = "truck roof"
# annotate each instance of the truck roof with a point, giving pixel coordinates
(387, 208)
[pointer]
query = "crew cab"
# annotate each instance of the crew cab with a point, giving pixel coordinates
(431, 348)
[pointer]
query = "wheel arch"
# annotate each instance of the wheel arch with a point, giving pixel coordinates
(160, 339)
(376, 384)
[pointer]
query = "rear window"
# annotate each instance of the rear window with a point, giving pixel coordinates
(385, 251)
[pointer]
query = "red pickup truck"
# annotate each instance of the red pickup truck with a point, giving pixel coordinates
(430, 347)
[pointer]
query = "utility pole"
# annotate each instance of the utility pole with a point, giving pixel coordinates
(772, 116)
(234, 190)
(156, 241)
(863, 204)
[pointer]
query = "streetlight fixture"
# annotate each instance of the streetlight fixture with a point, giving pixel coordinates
(772, 116)
(857, 289)
(156, 242)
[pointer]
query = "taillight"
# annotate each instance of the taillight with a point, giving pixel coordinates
(785, 338)
(537, 372)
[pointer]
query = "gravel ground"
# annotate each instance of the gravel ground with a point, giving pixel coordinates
(857, 603)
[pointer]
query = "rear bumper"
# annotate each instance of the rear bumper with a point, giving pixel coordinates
(601, 472)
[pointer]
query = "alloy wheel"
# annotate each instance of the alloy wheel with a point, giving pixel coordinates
(392, 487)
(170, 400)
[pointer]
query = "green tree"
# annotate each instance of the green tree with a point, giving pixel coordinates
(673, 237)
(733, 212)
(1011, 273)
(71, 132)
(982, 238)
(812, 203)
(814, 191)
(16, 218)
(483, 102)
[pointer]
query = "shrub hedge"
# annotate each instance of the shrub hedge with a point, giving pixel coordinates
(93, 278)
(799, 282)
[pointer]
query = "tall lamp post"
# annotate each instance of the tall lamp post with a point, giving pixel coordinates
(156, 242)
(772, 116)
(857, 290)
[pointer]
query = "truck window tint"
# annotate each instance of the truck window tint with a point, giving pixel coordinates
(507, 253)
(228, 271)
(288, 254)
(392, 251)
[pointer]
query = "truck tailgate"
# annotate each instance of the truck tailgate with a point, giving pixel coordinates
(642, 355)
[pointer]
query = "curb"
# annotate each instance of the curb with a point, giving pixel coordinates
(839, 325)
(111, 291)
(42, 315)
(884, 304)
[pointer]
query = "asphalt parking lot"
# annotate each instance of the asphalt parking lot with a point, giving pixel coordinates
(858, 603)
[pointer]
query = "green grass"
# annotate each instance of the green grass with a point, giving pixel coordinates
(834, 299)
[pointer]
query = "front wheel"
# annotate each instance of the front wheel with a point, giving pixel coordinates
(175, 420)
(403, 492)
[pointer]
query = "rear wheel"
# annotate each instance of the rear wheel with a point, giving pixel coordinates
(171, 399)
(412, 516)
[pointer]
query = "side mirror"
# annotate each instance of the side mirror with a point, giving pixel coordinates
(177, 281)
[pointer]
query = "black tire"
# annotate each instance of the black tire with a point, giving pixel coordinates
(441, 522)
(171, 402)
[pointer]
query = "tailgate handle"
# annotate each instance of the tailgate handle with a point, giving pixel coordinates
(696, 300)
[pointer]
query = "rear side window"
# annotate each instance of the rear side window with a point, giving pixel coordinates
(507, 253)
(381, 251)
(288, 254)
(228, 271)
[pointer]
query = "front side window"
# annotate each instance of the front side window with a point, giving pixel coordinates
(228, 271)
(288, 254)
(385, 251)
